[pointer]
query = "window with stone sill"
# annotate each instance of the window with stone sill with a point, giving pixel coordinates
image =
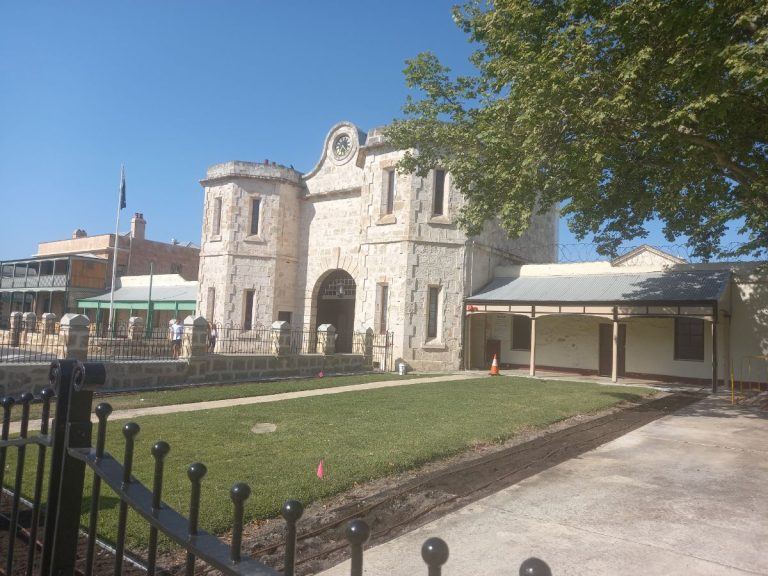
(438, 193)
(254, 228)
(434, 321)
(389, 191)
(382, 308)
(216, 228)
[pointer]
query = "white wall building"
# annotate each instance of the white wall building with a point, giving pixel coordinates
(646, 314)
(352, 243)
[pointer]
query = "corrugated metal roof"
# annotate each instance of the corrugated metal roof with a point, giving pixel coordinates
(669, 286)
(184, 293)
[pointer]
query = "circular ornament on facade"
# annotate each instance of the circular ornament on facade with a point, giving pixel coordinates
(342, 146)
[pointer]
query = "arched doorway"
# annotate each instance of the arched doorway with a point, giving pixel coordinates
(336, 305)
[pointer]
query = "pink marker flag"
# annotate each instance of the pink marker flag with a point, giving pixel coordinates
(320, 469)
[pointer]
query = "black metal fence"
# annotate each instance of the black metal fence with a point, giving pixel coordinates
(29, 341)
(52, 539)
(232, 339)
(127, 342)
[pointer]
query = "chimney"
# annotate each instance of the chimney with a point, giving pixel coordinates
(138, 225)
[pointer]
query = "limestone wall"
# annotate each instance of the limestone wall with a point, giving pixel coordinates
(16, 379)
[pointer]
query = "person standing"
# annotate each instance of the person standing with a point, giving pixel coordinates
(177, 332)
(212, 339)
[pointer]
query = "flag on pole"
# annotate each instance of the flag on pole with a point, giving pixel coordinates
(122, 188)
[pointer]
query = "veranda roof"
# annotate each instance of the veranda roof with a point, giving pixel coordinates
(674, 286)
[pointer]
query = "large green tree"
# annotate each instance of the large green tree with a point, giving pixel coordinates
(619, 111)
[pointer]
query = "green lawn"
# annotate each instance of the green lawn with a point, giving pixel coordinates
(360, 435)
(183, 395)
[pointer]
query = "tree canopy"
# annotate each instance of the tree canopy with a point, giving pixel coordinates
(619, 111)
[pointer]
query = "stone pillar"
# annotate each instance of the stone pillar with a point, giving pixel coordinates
(135, 328)
(281, 338)
(15, 319)
(194, 343)
(326, 339)
(74, 336)
(368, 352)
(29, 320)
(49, 323)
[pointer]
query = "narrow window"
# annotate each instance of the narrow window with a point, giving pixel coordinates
(389, 205)
(255, 208)
(432, 311)
(438, 205)
(211, 305)
(249, 297)
(382, 304)
(689, 339)
(521, 333)
(216, 216)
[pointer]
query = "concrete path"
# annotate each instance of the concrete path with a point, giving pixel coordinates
(685, 495)
(195, 406)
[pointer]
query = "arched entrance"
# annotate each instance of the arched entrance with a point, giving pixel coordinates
(336, 305)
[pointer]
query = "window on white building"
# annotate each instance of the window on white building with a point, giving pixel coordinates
(521, 333)
(689, 339)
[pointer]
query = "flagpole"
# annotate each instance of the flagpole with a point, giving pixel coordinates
(120, 200)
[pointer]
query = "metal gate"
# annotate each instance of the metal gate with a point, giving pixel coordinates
(382, 352)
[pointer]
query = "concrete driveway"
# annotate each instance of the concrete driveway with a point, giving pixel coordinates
(684, 495)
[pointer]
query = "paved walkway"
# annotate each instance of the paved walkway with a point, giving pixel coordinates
(686, 494)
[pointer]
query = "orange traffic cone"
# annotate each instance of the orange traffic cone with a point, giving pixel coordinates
(494, 366)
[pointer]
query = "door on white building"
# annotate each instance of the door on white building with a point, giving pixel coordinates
(606, 350)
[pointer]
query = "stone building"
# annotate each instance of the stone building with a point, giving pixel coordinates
(354, 244)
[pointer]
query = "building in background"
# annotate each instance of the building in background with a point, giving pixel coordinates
(352, 243)
(646, 314)
(65, 271)
(155, 298)
(135, 253)
(49, 284)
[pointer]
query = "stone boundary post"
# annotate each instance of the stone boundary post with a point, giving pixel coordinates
(29, 320)
(135, 328)
(368, 352)
(49, 323)
(326, 339)
(15, 326)
(74, 335)
(194, 343)
(281, 338)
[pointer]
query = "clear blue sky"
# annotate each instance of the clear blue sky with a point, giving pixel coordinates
(170, 87)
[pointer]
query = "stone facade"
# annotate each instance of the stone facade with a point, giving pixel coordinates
(352, 243)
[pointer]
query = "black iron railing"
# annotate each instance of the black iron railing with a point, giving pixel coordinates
(71, 452)
(127, 342)
(29, 341)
